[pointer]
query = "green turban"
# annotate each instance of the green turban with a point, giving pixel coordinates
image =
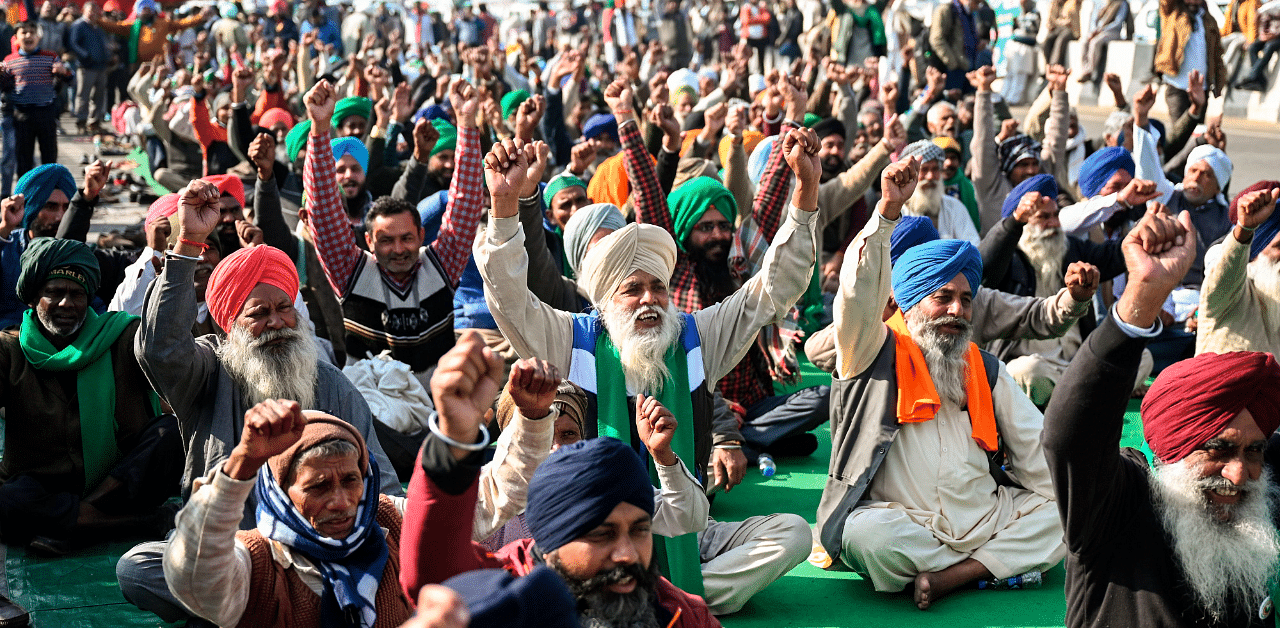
(448, 136)
(561, 182)
(296, 139)
(351, 106)
(811, 119)
(692, 199)
(53, 258)
(513, 100)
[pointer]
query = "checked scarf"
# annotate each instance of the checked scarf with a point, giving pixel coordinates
(352, 567)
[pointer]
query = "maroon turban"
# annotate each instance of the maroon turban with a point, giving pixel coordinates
(1194, 400)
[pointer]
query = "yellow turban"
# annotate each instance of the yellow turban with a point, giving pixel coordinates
(631, 248)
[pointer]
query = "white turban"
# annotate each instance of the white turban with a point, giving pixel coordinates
(681, 78)
(1217, 160)
(631, 248)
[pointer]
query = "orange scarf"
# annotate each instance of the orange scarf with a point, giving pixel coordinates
(918, 400)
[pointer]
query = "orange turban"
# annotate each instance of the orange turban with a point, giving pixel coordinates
(239, 273)
(229, 184)
(687, 143)
(609, 184)
(750, 140)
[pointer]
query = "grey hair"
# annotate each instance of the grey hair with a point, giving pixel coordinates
(332, 448)
(938, 107)
(1115, 123)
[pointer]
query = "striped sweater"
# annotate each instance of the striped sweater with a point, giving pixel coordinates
(33, 78)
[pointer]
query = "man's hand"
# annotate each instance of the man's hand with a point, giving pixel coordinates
(895, 135)
(1057, 77)
(241, 81)
(198, 212)
(528, 115)
(889, 96)
(1008, 129)
(728, 467)
(714, 119)
(735, 123)
(793, 94)
(1195, 90)
(618, 96)
(800, 147)
(1082, 281)
(262, 152)
(664, 117)
(439, 607)
(1138, 192)
(270, 428)
(982, 78)
(13, 210)
(1029, 204)
(402, 103)
(568, 64)
(537, 167)
(1214, 134)
(382, 112)
(1157, 252)
(320, 102)
(897, 184)
(1143, 101)
(466, 381)
(95, 178)
(1252, 210)
(656, 427)
(533, 387)
(658, 91)
(466, 102)
(581, 156)
(249, 233)
(935, 79)
(504, 171)
(425, 136)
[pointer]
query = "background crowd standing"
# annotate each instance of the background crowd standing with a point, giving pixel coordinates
(596, 235)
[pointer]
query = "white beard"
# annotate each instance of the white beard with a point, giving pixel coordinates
(643, 353)
(1264, 272)
(1227, 564)
(285, 371)
(1046, 249)
(926, 202)
(943, 353)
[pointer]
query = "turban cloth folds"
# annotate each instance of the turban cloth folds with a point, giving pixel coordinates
(631, 248)
(601, 124)
(1217, 160)
(239, 273)
(296, 139)
(561, 182)
(1015, 149)
(448, 136)
(827, 127)
(38, 184)
(578, 486)
(351, 106)
(690, 201)
(947, 144)
(162, 208)
(1266, 231)
(497, 599)
(1194, 400)
(512, 100)
(583, 226)
(344, 146)
(759, 158)
(230, 185)
(1101, 166)
(921, 270)
(1042, 183)
(51, 258)
(909, 232)
(924, 149)
(431, 209)
(274, 116)
(609, 184)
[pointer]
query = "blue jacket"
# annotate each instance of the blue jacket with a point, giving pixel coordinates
(88, 42)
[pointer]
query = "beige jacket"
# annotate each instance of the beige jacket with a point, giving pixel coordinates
(1234, 315)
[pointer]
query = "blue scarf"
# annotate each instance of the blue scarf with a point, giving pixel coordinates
(352, 567)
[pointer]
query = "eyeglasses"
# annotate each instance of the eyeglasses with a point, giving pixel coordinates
(712, 227)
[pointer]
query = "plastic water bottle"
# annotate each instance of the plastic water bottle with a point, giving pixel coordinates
(767, 466)
(1029, 580)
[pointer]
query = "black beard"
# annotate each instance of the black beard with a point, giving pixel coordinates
(832, 169)
(44, 231)
(715, 280)
(600, 608)
(355, 207)
(228, 241)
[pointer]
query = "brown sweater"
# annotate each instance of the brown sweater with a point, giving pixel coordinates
(1175, 30)
(279, 598)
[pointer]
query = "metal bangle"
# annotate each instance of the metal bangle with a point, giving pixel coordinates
(433, 423)
(173, 255)
(728, 446)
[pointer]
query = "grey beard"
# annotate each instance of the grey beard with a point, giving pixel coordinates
(50, 326)
(926, 202)
(1045, 249)
(286, 371)
(1265, 274)
(1227, 564)
(643, 353)
(600, 608)
(943, 353)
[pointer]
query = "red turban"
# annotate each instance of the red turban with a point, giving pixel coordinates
(162, 207)
(229, 184)
(1194, 400)
(274, 116)
(239, 273)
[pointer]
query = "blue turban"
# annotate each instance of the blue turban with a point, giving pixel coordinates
(583, 225)
(760, 158)
(922, 269)
(910, 231)
(497, 599)
(38, 184)
(1100, 166)
(1042, 183)
(432, 209)
(431, 112)
(578, 485)
(601, 124)
(351, 146)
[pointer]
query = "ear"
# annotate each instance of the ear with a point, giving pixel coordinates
(368, 239)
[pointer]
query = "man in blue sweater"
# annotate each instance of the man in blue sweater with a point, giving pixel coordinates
(89, 44)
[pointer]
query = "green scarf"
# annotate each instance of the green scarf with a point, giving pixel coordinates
(681, 554)
(135, 35)
(88, 355)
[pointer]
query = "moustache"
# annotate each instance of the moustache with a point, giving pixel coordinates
(620, 573)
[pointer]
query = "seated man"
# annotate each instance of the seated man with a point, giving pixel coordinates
(1241, 292)
(590, 509)
(949, 216)
(996, 315)
(917, 415)
(324, 534)
(86, 445)
(1189, 541)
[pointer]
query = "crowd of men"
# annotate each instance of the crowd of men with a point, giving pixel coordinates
(547, 272)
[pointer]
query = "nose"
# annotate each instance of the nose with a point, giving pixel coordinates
(1236, 471)
(1052, 223)
(648, 298)
(956, 308)
(275, 321)
(625, 552)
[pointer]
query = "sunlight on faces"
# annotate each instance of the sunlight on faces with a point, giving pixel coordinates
(28, 38)
(951, 165)
(566, 432)
(327, 491)
(270, 352)
(1200, 184)
(353, 126)
(941, 326)
(1023, 170)
(350, 176)
(441, 165)
(643, 324)
(711, 236)
(46, 221)
(684, 105)
(1045, 244)
(927, 199)
(60, 307)
(395, 240)
(831, 153)
(1217, 505)
(625, 538)
(941, 121)
(1116, 183)
(565, 202)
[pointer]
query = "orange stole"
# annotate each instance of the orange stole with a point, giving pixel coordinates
(918, 400)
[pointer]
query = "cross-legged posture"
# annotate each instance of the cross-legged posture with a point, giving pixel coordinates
(916, 413)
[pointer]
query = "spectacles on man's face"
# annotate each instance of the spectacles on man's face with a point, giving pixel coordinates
(713, 226)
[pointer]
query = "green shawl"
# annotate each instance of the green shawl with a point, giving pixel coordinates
(88, 355)
(681, 554)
